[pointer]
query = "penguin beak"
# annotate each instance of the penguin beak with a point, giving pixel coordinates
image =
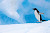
(33, 8)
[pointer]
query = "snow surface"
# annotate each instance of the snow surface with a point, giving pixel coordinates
(26, 28)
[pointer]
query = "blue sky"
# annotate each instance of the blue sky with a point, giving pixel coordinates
(20, 11)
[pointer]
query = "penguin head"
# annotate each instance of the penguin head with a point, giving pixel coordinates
(35, 9)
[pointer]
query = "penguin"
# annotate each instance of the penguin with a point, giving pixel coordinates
(38, 15)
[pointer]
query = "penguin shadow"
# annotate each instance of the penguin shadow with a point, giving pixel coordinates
(42, 21)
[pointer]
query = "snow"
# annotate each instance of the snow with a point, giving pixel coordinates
(26, 28)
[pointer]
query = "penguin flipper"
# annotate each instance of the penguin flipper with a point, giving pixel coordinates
(41, 13)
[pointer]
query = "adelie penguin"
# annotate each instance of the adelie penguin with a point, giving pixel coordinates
(38, 15)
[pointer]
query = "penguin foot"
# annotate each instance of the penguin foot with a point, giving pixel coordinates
(40, 21)
(37, 21)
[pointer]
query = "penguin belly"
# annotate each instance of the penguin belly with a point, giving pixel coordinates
(37, 15)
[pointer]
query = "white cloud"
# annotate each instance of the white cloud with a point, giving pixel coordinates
(10, 9)
(26, 28)
(41, 3)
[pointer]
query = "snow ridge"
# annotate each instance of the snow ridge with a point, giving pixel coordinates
(26, 28)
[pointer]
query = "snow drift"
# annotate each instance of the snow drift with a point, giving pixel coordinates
(26, 28)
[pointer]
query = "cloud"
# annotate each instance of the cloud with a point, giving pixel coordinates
(41, 3)
(10, 7)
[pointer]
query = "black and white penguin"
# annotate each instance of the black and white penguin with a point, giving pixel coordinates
(38, 15)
